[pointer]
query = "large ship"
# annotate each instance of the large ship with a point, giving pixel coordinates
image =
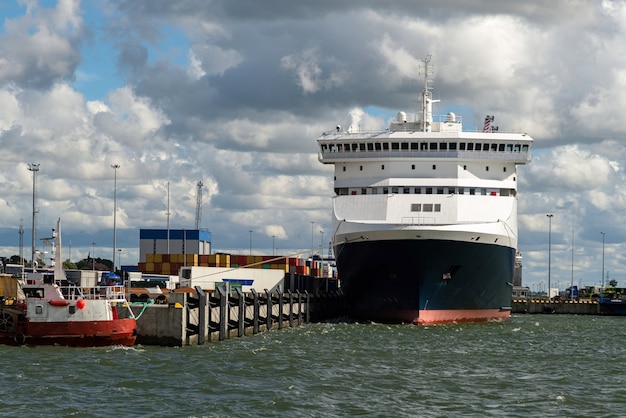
(425, 216)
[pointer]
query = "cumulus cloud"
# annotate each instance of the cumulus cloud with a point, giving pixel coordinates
(235, 93)
(41, 47)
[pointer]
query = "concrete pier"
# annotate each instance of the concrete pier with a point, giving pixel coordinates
(545, 306)
(200, 317)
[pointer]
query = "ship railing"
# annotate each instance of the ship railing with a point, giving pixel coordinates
(417, 220)
(110, 293)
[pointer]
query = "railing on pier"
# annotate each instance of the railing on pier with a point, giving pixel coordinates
(220, 315)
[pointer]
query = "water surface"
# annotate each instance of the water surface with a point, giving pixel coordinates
(533, 365)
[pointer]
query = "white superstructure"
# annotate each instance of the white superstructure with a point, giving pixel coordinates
(426, 175)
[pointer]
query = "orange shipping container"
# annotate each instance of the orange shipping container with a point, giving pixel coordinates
(192, 259)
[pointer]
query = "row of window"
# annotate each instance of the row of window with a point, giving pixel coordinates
(382, 167)
(426, 207)
(344, 191)
(425, 146)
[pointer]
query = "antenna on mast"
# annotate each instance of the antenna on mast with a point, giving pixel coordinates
(426, 111)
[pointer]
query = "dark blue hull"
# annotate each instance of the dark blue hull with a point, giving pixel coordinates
(612, 306)
(426, 281)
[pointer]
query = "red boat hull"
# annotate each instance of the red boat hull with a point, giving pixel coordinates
(74, 334)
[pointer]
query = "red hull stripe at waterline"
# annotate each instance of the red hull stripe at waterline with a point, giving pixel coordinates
(434, 317)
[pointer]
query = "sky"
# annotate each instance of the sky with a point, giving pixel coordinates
(235, 93)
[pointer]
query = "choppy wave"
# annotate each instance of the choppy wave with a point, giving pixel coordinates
(548, 365)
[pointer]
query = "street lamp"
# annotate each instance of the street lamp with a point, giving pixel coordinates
(312, 223)
(549, 251)
(114, 167)
(34, 168)
(602, 261)
(119, 258)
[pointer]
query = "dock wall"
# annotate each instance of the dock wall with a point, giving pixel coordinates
(545, 306)
(200, 317)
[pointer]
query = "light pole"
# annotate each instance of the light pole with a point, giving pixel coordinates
(549, 251)
(168, 217)
(602, 261)
(34, 168)
(93, 256)
(312, 223)
(114, 167)
(571, 288)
